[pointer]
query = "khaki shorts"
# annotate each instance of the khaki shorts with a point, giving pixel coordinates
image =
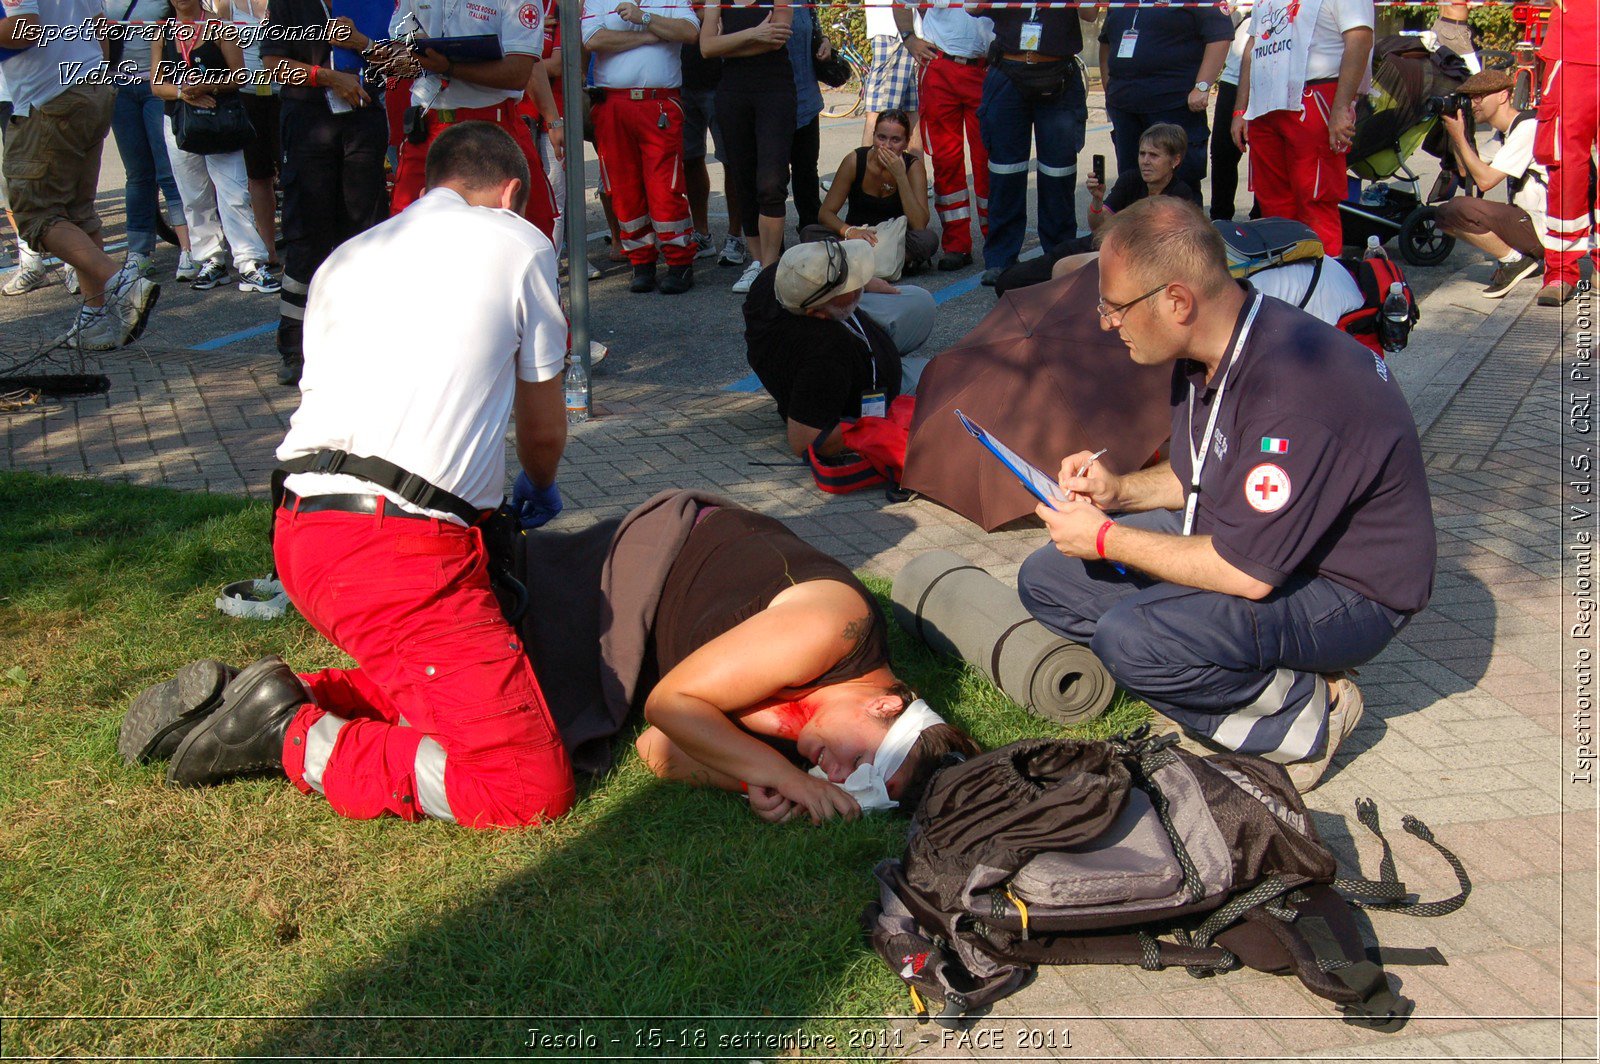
(52, 161)
(1469, 214)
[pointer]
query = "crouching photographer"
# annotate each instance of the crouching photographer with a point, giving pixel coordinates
(1508, 231)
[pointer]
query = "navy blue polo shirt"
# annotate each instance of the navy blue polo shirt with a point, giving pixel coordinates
(1166, 57)
(1315, 467)
(1060, 29)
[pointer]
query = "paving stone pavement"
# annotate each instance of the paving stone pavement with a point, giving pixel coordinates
(1466, 725)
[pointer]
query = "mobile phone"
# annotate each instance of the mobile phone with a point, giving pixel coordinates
(1099, 165)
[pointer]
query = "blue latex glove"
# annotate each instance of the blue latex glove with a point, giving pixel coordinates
(534, 506)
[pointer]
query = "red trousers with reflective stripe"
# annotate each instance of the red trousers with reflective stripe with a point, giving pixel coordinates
(409, 175)
(1569, 122)
(950, 93)
(410, 602)
(641, 165)
(1294, 173)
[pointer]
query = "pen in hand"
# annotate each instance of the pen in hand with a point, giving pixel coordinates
(1084, 471)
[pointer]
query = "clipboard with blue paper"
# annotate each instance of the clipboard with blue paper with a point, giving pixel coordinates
(1040, 484)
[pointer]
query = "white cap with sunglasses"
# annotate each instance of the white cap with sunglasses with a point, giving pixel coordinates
(812, 274)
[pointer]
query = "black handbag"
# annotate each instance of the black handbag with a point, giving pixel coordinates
(832, 71)
(214, 130)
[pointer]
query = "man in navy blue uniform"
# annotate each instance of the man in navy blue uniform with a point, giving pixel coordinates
(1158, 64)
(1288, 539)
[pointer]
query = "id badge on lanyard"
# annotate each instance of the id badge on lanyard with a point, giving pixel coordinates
(1032, 32)
(874, 402)
(1130, 38)
(1197, 458)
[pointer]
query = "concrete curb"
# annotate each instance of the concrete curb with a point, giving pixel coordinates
(1458, 330)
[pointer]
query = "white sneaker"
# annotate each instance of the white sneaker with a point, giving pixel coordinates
(131, 311)
(256, 279)
(187, 270)
(210, 275)
(92, 330)
(748, 277)
(734, 253)
(703, 243)
(29, 276)
(137, 264)
(72, 284)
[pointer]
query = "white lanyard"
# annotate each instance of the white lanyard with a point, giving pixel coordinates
(1197, 458)
(859, 331)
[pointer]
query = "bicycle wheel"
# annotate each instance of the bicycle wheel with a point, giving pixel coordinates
(851, 105)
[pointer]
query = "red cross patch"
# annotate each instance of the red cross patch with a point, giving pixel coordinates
(528, 15)
(1266, 488)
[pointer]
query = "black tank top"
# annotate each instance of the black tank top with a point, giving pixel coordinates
(865, 209)
(753, 73)
(733, 565)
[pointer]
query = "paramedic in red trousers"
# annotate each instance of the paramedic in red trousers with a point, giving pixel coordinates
(1303, 66)
(1569, 123)
(445, 93)
(442, 715)
(1289, 537)
(638, 131)
(952, 53)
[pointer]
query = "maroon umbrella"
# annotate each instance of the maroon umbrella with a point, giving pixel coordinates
(1040, 375)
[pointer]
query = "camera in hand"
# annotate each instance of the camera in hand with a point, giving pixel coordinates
(1455, 103)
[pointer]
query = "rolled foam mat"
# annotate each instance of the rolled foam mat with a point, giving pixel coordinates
(957, 608)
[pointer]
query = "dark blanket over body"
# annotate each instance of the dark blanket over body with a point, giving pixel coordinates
(592, 598)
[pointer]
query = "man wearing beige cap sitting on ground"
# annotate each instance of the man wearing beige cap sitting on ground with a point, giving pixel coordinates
(827, 338)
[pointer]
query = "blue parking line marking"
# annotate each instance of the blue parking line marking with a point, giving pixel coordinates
(233, 338)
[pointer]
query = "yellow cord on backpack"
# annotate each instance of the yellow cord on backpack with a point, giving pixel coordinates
(917, 1002)
(1022, 909)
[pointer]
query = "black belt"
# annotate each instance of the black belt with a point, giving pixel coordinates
(1452, 21)
(977, 60)
(347, 504)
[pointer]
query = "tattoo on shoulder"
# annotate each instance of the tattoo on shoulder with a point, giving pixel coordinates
(854, 630)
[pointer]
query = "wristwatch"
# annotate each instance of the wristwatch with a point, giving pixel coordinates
(1202, 86)
(645, 18)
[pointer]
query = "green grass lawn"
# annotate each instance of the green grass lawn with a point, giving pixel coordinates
(248, 920)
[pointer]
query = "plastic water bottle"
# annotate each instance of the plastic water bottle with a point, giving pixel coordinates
(1375, 250)
(1395, 327)
(577, 392)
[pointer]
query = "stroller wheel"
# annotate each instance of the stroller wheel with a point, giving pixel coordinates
(1422, 242)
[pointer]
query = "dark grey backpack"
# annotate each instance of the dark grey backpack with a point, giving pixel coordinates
(1131, 852)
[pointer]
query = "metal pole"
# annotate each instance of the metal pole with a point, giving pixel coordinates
(576, 216)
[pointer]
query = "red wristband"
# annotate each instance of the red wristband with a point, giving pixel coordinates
(313, 77)
(1100, 540)
(1236, 114)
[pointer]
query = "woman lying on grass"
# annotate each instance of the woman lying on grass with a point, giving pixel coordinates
(764, 647)
(766, 644)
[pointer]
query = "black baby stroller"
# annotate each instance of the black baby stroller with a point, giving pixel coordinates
(1411, 88)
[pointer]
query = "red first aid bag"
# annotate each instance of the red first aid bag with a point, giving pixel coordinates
(876, 451)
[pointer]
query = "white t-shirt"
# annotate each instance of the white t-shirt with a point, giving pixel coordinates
(39, 74)
(1327, 39)
(520, 24)
(653, 66)
(880, 18)
(415, 333)
(1514, 158)
(954, 32)
(1241, 36)
(1337, 293)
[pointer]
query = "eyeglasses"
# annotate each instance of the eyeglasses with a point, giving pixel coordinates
(1112, 313)
(838, 270)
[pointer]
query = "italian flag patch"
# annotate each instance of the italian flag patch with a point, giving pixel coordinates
(1274, 445)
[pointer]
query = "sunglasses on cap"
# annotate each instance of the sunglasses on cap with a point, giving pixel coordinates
(838, 270)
